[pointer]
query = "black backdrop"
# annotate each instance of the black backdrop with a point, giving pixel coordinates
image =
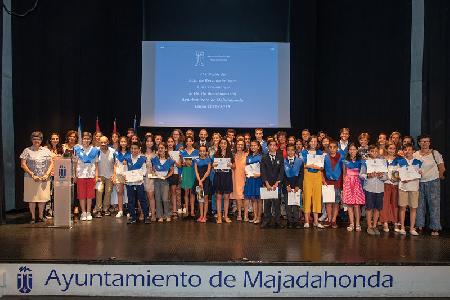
(436, 91)
(349, 59)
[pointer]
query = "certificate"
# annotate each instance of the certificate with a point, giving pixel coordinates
(328, 194)
(222, 163)
(294, 198)
(252, 169)
(315, 160)
(133, 176)
(408, 173)
(174, 155)
(376, 165)
(155, 176)
(266, 194)
(189, 158)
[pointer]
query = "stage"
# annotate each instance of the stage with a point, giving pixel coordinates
(107, 257)
(112, 241)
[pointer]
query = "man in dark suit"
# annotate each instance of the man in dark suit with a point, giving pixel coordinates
(272, 172)
(203, 135)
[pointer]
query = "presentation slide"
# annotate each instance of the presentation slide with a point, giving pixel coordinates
(215, 84)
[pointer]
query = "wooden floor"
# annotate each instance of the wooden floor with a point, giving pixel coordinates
(109, 240)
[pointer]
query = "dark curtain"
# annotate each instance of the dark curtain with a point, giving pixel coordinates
(349, 59)
(436, 88)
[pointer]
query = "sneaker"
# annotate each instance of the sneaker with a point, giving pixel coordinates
(350, 227)
(434, 233)
(413, 232)
(131, 221)
(386, 228)
(402, 231)
(370, 231)
(49, 214)
(160, 220)
(119, 214)
(334, 225)
(168, 219)
(397, 229)
(107, 213)
(89, 216)
(179, 211)
(306, 225)
(318, 225)
(377, 232)
(98, 215)
(184, 211)
(358, 228)
(83, 216)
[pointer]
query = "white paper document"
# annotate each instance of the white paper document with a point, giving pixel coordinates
(294, 198)
(174, 155)
(133, 176)
(315, 160)
(377, 165)
(252, 169)
(222, 163)
(328, 194)
(266, 194)
(408, 173)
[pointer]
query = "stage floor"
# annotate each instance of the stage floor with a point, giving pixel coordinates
(109, 240)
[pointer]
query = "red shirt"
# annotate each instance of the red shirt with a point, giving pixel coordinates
(334, 160)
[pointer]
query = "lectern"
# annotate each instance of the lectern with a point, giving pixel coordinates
(63, 192)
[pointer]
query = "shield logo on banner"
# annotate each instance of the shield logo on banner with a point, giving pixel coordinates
(24, 280)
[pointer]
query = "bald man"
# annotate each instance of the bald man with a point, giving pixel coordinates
(105, 177)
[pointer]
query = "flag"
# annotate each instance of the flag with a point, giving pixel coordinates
(135, 125)
(114, 126)
(97, 126)
(79, 129)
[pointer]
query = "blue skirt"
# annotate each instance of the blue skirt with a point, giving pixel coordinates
(251, 188)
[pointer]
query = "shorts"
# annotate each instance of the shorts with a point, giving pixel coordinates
(374, 200)
(86, 188)
(410, 198)
(174, 179)
(337, 195)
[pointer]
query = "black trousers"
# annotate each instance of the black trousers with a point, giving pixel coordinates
(269, 206)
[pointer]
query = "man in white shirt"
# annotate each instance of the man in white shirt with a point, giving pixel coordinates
(105, 178)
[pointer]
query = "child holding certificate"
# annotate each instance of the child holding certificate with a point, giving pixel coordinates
(409, 190)
(174, 180)
(223, 182)
(373, 189)
(86, 175)
(333, 176)
(272, 172)
(120, 157)
(389, 213)
(188, 174)
(253, 182)
(136, 169)
(293, 180)
(353, 194)
(202, 167)
(312, 182)
(163, 168)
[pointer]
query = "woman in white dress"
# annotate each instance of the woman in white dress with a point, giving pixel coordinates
(37, 163)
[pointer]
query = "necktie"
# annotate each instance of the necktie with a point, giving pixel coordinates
(272, 157)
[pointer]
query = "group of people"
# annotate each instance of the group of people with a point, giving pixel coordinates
(179, 176)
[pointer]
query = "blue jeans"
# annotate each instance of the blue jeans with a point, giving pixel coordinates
(429, 195)
(133, 192)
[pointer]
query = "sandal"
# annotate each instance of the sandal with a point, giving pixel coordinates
(227, 220)
(219, 221)
(350, 227)
(358, 228)
(434, 233)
